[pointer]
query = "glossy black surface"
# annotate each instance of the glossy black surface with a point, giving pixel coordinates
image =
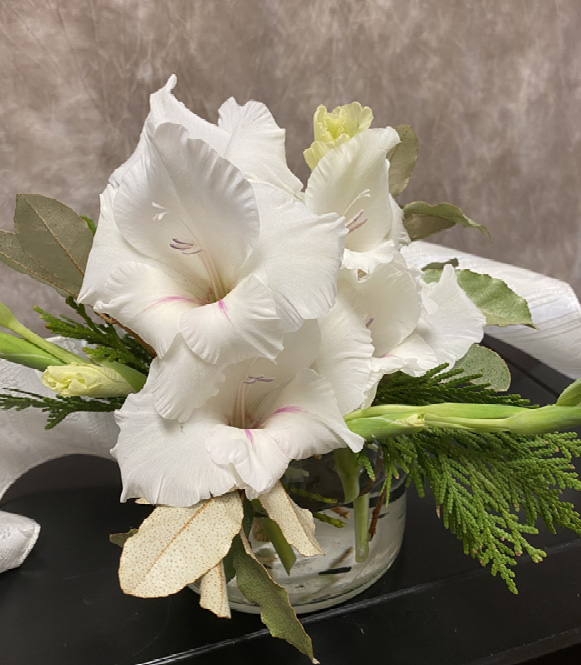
(434, 607)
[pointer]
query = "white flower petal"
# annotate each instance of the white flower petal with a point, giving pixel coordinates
(254, 454)
(368, 261)
(305, 420)
(164, 461)
(242, 325)
(182, 382)
(18, 536)
(186, 206)
(109, 250)
(453, 322)
(353, 181)
(24, 443)
(164, 107)
(256, 144)
(390, 298)
(345, 353)
(299, 254)
(150, 300)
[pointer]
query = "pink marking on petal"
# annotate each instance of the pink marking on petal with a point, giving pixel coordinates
(249, 435)
(169, 299)
(223, 308)
(371, 320)
(288, 409)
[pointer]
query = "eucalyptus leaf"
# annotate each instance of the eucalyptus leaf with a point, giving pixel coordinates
(14, 256)
(54, 236)
(480, 360)
(500, 304)
(258, 587)
(402, 159)
(571, 396)
(176, 546)
(440, 265)
(422, 219)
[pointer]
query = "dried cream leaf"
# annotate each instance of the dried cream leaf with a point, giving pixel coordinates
(213, 593)
(297, 524)
(176, 546)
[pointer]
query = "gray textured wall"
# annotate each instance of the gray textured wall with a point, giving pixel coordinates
(492, 88)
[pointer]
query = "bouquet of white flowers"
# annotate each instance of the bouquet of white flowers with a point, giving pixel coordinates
(244, 324)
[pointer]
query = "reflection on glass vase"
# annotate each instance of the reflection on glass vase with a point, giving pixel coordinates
(320, 582)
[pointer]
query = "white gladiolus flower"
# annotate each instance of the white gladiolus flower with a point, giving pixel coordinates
(391, 321)
(201, 263)
(264, 415)
(352, 180)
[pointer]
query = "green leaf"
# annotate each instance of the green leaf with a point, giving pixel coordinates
(12, 254)
(422, 219)
(90, 224)
(121, 538)
(54, 236)
(480, 360)
(571, 396)
(500, 305)
(440, 265)
(402, 159)
(275, 610)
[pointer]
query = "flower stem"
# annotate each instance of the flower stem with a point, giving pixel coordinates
(361, 525)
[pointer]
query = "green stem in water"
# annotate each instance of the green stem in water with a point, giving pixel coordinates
(285, 552)
(361, 526)
(348, 470)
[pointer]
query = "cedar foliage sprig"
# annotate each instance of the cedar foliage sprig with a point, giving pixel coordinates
(490, 489)
(109, 345)
(437, 386)
(57, 408)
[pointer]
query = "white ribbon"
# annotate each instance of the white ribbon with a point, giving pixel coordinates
(18, 535)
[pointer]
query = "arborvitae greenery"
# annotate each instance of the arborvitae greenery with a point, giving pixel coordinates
(437, 386)
(109, 345)
(58, 408)
(490, 489)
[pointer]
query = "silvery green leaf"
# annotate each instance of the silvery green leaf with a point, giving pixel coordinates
(402, 159)
(480, 360)
(258, 587)
(422, 219)
(440, 265)
(571, 396)
(500, 304)
(14, 256)
(54, 236)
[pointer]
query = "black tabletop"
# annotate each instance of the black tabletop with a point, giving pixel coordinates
(434, 607)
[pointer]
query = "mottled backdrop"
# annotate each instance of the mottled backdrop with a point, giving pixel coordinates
(491, 87)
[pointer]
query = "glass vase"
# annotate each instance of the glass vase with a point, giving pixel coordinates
(320, 582)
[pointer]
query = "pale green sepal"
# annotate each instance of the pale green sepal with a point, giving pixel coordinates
(480, 360)
(402, 159)
(10, 322)
(422, 219)
(571, 396)
(383, 426)
(19, 351)
(133, 377)
(500, 304)
(276, 612)
(12, 254)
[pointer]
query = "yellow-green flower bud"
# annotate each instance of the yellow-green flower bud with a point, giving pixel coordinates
(21, 352)
(336, 127)
(87, 380)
